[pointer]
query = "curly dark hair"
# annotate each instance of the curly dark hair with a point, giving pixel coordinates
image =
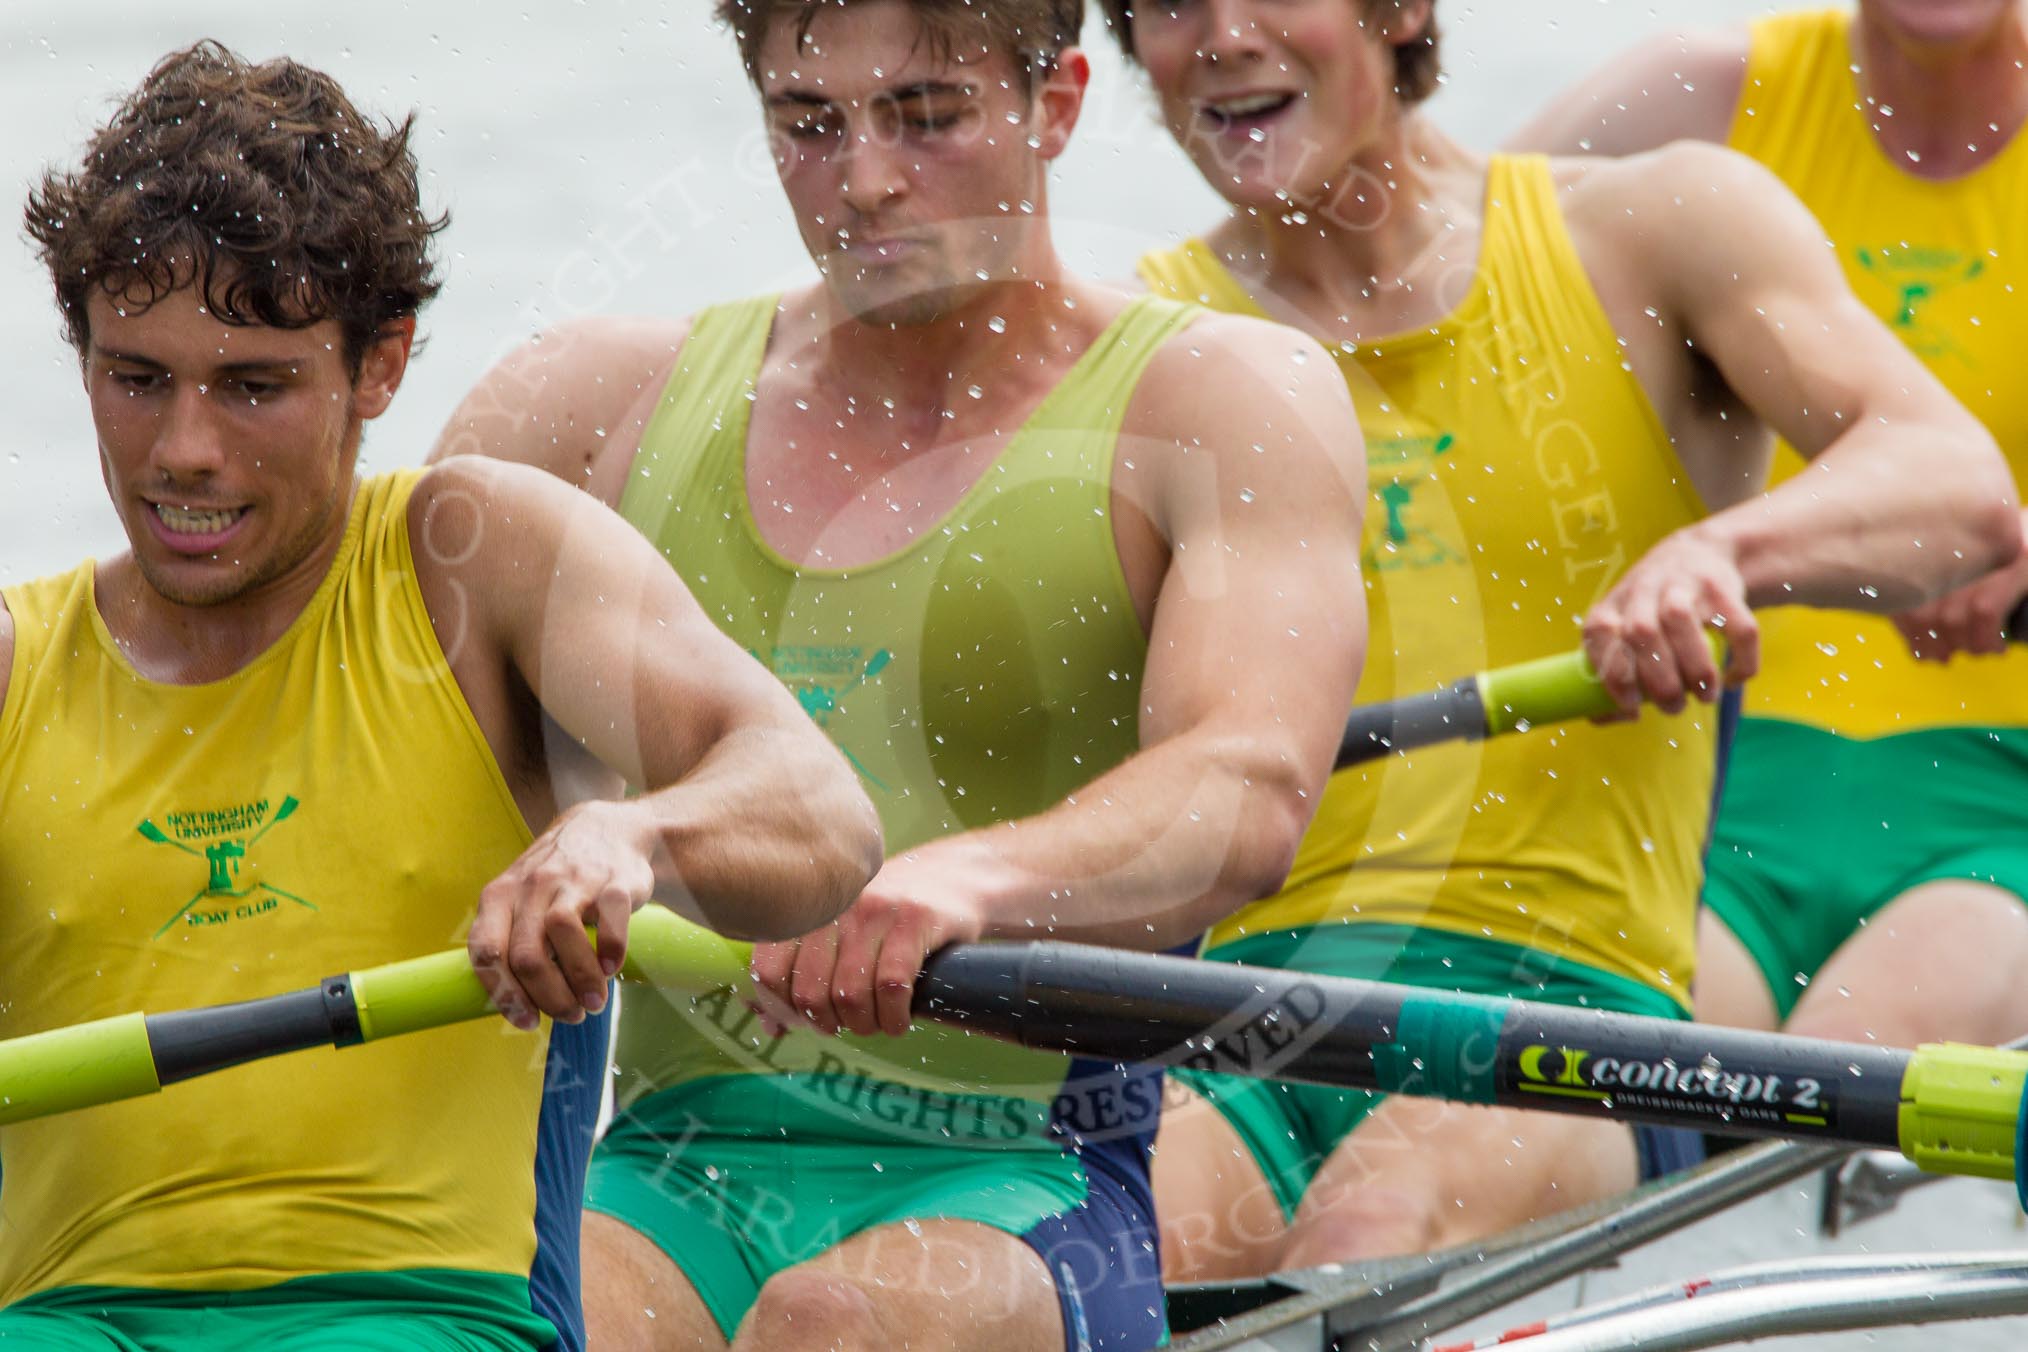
(1418, 68)
(1032, 31)
(260, 185)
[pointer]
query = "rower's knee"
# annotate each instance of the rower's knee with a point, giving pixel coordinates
(1346, 1224)
(811, 1310)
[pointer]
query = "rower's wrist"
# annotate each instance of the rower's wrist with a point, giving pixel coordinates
(1739, 537)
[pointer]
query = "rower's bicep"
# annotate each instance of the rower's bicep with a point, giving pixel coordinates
(606, 636)
(1260, 620)
(6, 651)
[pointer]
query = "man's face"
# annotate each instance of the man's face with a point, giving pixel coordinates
(1942, 23)
(1270, 98)
(228, 449)
(914, 181)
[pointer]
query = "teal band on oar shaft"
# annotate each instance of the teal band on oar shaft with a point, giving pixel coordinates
(1225, 1017)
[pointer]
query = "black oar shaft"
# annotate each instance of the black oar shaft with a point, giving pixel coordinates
(1455, 712)
(194, 1042)
(1327, 1030)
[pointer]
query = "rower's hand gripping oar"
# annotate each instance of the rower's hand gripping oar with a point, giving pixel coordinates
(1505, 699)
(1950, 1109)
(1514, 698)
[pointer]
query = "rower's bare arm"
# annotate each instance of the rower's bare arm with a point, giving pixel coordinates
(1242, 452)
(1906, 495)
(1251, 468)
(6, 651)
(1674, 87)
(571, 401)
(748, 818)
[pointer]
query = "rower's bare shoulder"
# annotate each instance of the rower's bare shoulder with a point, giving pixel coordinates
(1670, 87)
(1251, 395)
(569, 398)
(6, 649)
(1675, 206)
(1222, 367)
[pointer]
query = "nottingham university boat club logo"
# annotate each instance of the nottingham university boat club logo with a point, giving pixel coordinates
(1414, 534)
(225, 840)
(822, 677)
(1915, 276)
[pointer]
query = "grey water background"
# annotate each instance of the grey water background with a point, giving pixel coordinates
(604, 156)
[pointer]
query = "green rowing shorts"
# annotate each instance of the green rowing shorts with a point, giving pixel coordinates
(735, 1179)
(1816, 833)
(1291, 1129)
(359, 1311)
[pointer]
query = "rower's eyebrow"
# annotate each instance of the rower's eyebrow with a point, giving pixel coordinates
(235, 368)
(921, 89)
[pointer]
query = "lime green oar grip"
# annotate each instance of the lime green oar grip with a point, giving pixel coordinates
(1553, 690)
(663, 950)
(427, 992)
(669, 952)
(76, 1067)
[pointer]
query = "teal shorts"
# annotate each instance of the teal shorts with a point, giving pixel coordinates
(359, 1311)
(1816, 833)
(1291, 1129)
(737, 1178)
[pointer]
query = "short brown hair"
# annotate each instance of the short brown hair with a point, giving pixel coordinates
(260, 185)
(1033, 32)
(1417, 66)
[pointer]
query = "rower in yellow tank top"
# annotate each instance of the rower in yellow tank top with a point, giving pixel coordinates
(1932, 753)
(1866, 785)
(296, 728)
(1945, 264)
(1496, 518)
(247, 827)
(1515, 468)
(1570, 362)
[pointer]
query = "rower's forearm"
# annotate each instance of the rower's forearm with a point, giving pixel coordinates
(769, 837)
(1856, 530)
(1154, 852)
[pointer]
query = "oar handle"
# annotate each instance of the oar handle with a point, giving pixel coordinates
(68, 1068)
(1514, 698)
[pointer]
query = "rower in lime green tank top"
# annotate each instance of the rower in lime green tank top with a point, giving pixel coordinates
(982, 673)
(246, 831)
(1502, 505)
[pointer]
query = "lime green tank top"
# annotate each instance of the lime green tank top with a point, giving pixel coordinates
(1515, 469)
(982, 673)
(330, 806)
(1945, 265)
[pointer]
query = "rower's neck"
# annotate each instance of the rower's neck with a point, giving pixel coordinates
(972, 351)
(171, 643)
(1373, 255)
(1953, 108)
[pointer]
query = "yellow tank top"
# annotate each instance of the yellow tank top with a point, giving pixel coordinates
(1944, 265)
(1516, 468)
(330, 806)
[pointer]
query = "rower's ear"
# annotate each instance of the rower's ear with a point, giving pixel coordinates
(1405, 21)
(382, 366)
(1058, 99)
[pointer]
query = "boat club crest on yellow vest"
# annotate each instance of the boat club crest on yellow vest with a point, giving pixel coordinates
(223, 839)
